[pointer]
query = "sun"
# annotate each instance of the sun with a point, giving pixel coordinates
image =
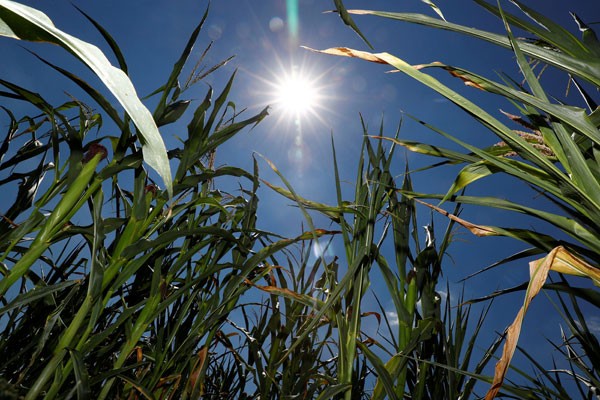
(296, 95)
(299, 96)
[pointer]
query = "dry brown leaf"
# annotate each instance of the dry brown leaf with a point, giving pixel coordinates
(198, 366)
(379, 58)
(347, 52)
(564, 261)
(538, 272)
(286, 293)
(375, 314)
(387, 58)
(280, 291)
(477, 230)
(559, 260)
(567, 263)
(467, 81)
(520, 120)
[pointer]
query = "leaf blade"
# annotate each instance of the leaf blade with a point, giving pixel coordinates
(26, 23)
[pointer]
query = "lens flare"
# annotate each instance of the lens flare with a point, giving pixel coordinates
(292, 18)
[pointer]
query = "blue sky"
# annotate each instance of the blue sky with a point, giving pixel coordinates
(152, 33)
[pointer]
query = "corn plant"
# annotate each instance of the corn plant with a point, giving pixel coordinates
(425, 354)
(554, 150)
(115, 288)
(112, 287)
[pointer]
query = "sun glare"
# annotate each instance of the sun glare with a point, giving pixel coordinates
(299, 97)
(296, 95)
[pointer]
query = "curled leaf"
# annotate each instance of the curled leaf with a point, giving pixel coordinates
(538, 273)
(347, 52)
(347, 19)
(567, 263)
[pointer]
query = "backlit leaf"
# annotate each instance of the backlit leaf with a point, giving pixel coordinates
(21, 22)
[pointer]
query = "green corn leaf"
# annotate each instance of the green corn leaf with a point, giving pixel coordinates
(385, 373)
(588, 35)
(179, 64)
(332, 390)
(66, 207)
(570, 155)
(173, 112)
(434, 8)
(36, 294)
(544, 28)
(109, 39)
(347, 19)
(82, 384)
(25, 23)
(588, 69)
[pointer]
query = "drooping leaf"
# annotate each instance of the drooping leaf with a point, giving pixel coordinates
(22, 22)
(538, 273)
(589, 70)
(343, 12)
(109, 39)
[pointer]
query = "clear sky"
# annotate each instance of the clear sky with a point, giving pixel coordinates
(265, 36)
